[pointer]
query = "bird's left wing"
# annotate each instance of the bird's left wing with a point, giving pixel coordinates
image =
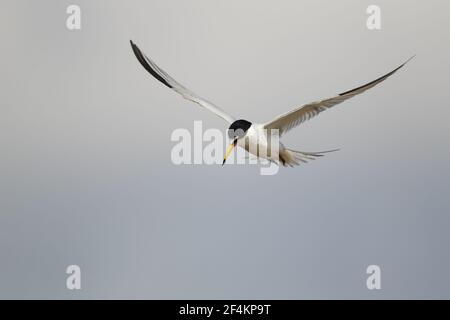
(167, 80)
(293, 118)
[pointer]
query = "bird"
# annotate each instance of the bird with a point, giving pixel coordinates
(254, 137)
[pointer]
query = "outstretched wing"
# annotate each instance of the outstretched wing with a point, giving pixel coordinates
(293, 118)
(167, 80)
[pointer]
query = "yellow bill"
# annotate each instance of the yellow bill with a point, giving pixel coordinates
(229, 149)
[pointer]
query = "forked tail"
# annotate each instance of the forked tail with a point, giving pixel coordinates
(289, 157)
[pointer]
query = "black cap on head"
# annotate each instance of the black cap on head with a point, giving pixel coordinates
(238, 128)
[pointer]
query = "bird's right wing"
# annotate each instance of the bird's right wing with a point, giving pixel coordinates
(167, 80)
(293, 118)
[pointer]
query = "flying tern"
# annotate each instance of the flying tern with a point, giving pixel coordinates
(253, 137)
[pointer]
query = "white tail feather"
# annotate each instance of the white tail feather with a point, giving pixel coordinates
(289, 157)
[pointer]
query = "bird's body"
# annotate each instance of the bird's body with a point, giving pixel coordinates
(257, 142)
(256, 138)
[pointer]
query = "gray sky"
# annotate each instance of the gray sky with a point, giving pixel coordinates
(86, 176)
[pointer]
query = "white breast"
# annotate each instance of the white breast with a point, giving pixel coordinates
(256, 142)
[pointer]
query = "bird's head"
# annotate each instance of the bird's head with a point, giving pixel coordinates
(237, 130)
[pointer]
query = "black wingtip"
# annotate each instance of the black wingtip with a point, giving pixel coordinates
(382, 78)
(142, 60)
(133, 45)
(409, 60)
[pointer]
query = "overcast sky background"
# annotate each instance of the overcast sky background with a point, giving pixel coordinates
(86, 176)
